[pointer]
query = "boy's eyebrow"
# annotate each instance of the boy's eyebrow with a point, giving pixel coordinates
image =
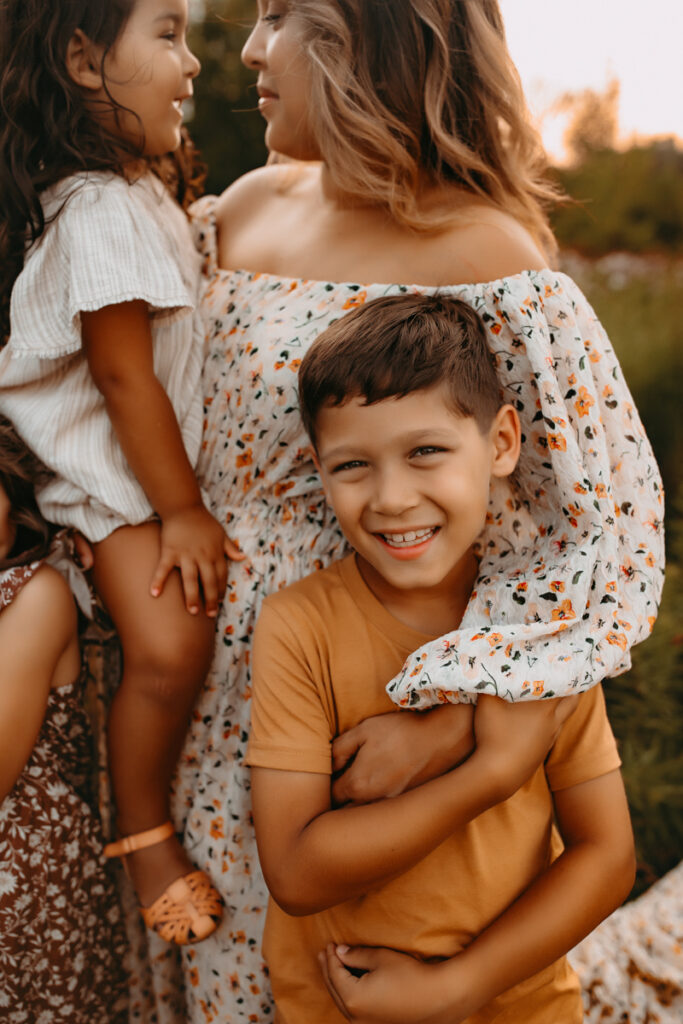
(434, 434)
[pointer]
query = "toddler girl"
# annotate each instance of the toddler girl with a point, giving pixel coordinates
(101, 376)
(61, 937)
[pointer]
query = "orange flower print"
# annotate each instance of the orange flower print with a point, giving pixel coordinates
(575, 510)
(580, 489)
(537, 687)
(523, 586)
(355, 300)
(494, 638)
(244, 459)
(650, 559)
(194, 977)
(611, 586)
(216, 828)
(557, 442)
(563, 611)
(495, 328)
(571, 380)
(557, 586)
(600, 491)
(295, 364)
(584, 402)
(618, 640)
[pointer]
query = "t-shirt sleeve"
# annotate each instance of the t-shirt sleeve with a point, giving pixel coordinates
(572, 558)
(290, 726)
(105, 246)
(585, 748)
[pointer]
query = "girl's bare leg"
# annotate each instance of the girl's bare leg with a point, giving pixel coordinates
(166, 655)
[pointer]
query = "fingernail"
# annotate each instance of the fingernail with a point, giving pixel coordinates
(193, 609)
(155, 591)
(343, 949)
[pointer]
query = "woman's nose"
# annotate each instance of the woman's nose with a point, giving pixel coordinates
(253, 51)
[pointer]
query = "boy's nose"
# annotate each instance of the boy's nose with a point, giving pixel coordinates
(393, 494)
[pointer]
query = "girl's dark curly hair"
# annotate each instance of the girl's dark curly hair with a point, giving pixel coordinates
(19, 473)
(47, 131)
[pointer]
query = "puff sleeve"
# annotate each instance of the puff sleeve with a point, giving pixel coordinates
(102, 249)
(572, 558)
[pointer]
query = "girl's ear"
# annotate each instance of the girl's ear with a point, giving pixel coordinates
(82, 62)
(506, 438)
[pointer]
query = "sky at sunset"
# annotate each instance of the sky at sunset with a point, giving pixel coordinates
(569, 45)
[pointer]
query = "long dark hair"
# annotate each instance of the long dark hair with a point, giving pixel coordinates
(19, 472)
(47, 131)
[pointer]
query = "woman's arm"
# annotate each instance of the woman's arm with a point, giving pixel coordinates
(314, 857)
(580, 888)
(39, 649)
(117, 341)
(388, 754)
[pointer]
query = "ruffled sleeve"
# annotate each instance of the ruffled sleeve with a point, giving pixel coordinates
(572, 558)
(108, 241)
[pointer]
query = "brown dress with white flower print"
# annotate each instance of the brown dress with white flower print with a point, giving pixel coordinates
(61, 939)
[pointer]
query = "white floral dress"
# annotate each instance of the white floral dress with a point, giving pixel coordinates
(571, 571)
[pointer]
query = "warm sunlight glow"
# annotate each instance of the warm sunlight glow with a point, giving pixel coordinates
(564, 47)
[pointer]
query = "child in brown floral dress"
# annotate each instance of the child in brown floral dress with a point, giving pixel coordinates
(61, 938)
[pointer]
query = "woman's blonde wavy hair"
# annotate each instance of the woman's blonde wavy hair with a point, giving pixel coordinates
(408, 93)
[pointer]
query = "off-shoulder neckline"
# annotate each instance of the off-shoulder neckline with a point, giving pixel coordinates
(492, 285)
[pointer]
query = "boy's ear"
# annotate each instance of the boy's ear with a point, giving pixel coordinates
(506, 437)
(82, 62)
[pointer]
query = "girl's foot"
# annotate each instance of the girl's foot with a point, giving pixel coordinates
(176, 900)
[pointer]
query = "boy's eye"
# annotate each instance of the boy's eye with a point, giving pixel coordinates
(351, 464)
(427, 449)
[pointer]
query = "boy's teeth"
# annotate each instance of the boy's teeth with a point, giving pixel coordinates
(407, 539)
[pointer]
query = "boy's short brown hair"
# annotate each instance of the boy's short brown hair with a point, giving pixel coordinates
(398, 344)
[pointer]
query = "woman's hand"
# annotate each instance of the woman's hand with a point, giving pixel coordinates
(514, 739)
(388, 754)
(197, 545)
(394, 988)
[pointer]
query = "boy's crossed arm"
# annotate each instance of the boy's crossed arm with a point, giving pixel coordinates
(314, 857)
(590, 878)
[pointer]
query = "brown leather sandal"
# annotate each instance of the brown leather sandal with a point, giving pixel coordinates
(190, 909)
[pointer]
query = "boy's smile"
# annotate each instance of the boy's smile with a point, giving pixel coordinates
(409, 481)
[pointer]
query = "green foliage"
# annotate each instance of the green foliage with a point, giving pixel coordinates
(226, 125)
(630, 200)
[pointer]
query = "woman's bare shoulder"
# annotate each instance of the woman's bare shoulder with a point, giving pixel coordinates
(249, 194)
(492, 244)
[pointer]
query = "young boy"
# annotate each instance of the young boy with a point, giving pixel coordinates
(461, 885)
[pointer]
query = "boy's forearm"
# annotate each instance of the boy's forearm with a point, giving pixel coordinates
(582, 887)
(345, 852)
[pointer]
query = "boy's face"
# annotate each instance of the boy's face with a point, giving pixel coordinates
(409, 480)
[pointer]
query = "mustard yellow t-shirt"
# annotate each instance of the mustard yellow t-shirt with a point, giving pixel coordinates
(324, 649)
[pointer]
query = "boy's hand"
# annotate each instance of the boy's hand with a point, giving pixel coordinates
(192, 540)
(514, 739)
(395, 988)
(388, 754)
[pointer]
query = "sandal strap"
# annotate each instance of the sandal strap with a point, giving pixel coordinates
(139, 840)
